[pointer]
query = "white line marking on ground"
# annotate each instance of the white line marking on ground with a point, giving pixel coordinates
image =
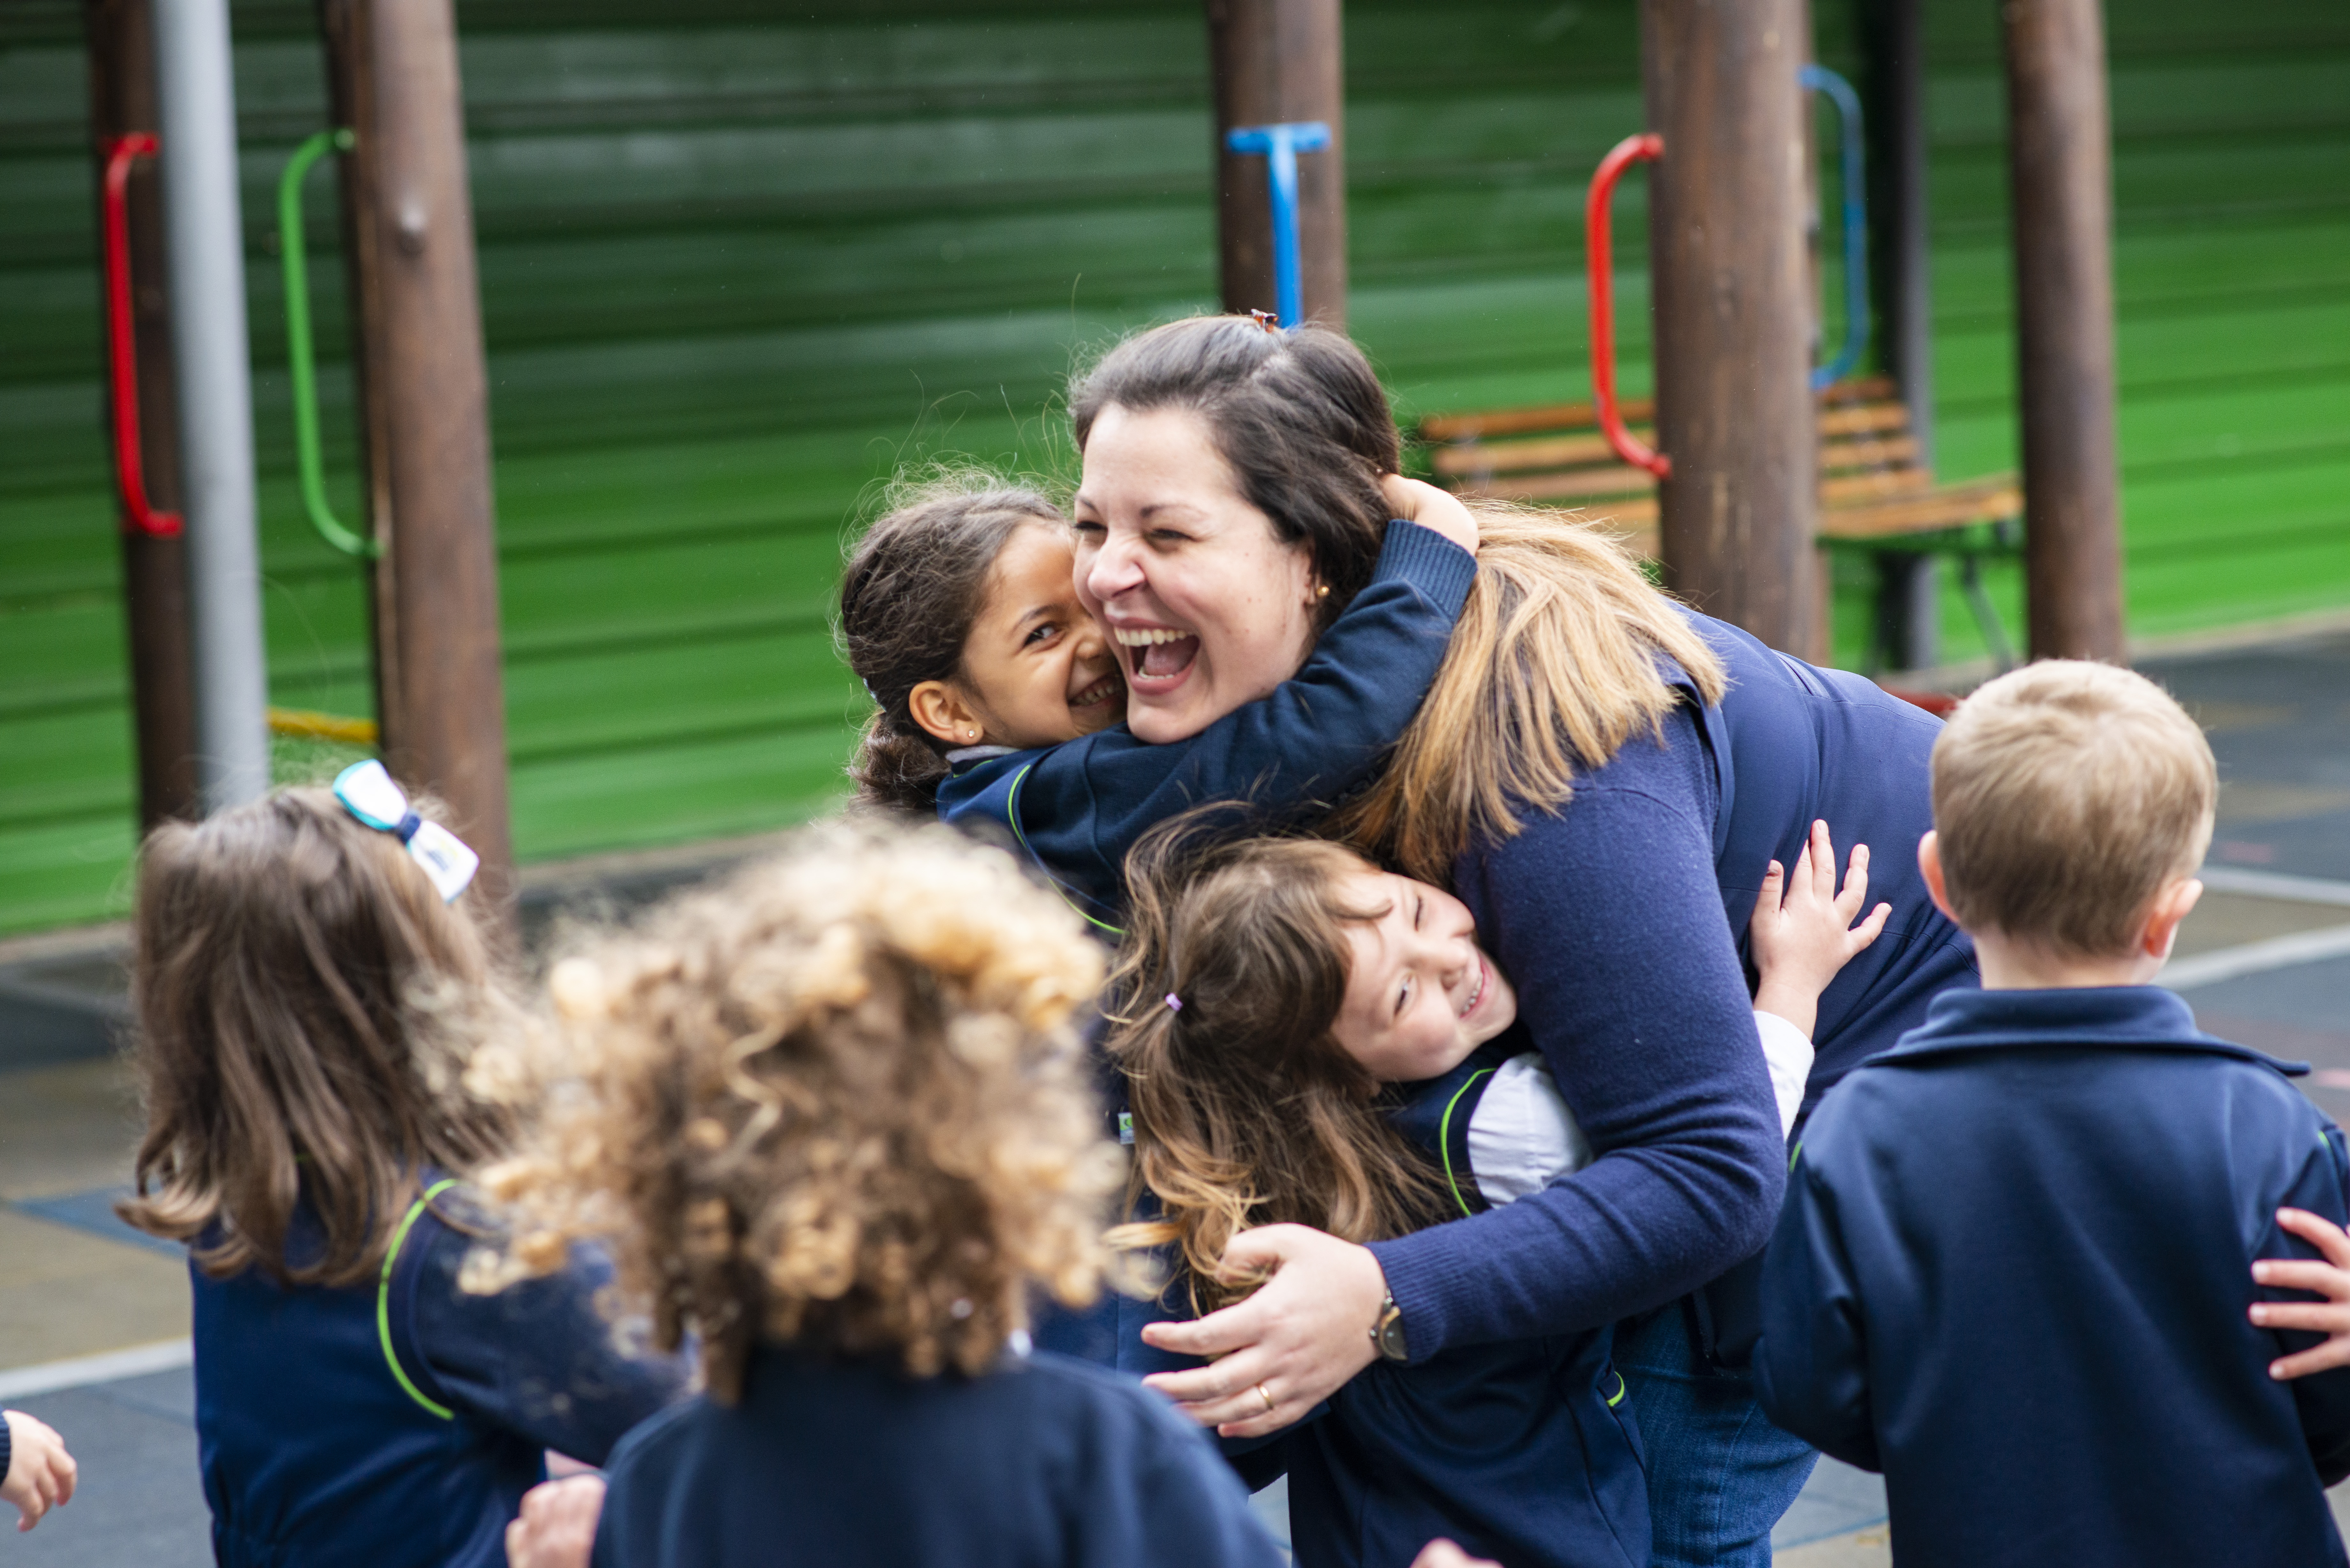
(81, 1371)
(2257, 958)
(2275, 885)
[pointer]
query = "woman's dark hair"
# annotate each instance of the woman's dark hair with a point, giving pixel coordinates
(1247, 1111)
(308, 1008)
(915, 582)
(1299, 415)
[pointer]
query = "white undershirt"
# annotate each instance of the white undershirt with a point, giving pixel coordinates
(1523, 1138)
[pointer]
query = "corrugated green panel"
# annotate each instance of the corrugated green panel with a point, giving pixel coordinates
(735, 270)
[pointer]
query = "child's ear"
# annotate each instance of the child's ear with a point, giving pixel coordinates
(1930, 867)
(2172, 904)
(945, 713)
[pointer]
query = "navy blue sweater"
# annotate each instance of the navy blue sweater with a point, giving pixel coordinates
(2012, 1276)
(1621, 920)
(1044, 1463)
(1078, 807)
(400, 1423)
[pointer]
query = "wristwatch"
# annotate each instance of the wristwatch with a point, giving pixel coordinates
(1387, 1332)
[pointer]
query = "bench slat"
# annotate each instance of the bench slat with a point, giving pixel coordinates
(1993, 500)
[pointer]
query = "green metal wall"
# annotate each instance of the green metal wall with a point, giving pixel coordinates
(733, 271)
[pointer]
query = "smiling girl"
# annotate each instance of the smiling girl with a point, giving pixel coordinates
(1313, 1041)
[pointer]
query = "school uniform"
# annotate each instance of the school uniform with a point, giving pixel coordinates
(1043, 1463)
(2013, 1274)
(400, 1422)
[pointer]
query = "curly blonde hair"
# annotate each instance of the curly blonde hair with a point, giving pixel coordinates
(836, 1101)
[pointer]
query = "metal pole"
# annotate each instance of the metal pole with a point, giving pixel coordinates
(1280, 62)
(1909, 604)
(1734, 314)
(154, 567)
(2060, 174)
(196, 94)
(425, 406)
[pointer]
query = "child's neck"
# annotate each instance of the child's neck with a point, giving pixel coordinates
(2008, 965)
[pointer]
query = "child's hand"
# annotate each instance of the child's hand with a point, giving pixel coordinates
(1442, 1553)
(1431, 508)
(1801, 942)
(2330, 1279)
(557, 1525)
(40, 1472)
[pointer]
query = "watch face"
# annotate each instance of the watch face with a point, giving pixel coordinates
(1392, 1335)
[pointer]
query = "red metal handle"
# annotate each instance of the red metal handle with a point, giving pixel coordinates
(130, 467)
(1601, 263)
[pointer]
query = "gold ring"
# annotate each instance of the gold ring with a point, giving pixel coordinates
(1261, 1394)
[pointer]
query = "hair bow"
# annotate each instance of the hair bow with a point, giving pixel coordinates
(367, 793)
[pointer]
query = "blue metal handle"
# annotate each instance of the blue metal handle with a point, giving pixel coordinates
(1281, 144)
(1856, 225)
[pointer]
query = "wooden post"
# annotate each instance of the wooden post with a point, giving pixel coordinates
(122, 40)
(1734, 314)
(2060, 173)
(1280, 62)
(423, 412)
(1893, 86)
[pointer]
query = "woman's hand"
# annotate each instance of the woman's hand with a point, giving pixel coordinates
(1431, 508)
(556, 1528)
(2330, 1279)
(41, 1474)
(1800, 942)
(1286, 1348)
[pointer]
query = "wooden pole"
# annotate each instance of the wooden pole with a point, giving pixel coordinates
(1908, 603)
(2060, 174)
(1734, 314)
(121, 41)
(424, 413)
(1280, 62)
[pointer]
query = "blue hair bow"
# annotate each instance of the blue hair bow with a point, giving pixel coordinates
(367, 793)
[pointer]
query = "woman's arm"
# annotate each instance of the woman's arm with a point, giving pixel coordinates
(1079, 807)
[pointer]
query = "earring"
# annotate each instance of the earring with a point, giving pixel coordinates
(1322, 592)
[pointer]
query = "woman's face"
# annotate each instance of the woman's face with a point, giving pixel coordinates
(1206, 608)
(1420, 994)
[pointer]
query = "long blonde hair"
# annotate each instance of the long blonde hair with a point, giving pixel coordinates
(1553, 667)
(1246, 1110)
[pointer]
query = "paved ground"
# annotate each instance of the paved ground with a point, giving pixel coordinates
(2265, 960)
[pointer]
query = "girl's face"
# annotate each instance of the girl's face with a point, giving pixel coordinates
(1036, 670)
(1421, 995)
(1206, 608)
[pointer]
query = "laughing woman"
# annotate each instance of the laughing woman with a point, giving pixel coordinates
(1603, 776)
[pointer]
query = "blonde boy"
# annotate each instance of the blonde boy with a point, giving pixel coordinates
(2014, 1268)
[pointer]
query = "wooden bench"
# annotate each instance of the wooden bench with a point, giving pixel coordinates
(1875, 494)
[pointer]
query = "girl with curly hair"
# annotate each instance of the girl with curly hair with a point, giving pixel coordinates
(832, 1117)
(311, 992)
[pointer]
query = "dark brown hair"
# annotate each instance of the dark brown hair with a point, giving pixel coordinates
(1247, 1111)
(836, 1102)
(914, 583)
(1300, 416)
(306, 1006)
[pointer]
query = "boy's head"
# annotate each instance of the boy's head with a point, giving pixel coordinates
(834, 1102)
(2068, 796)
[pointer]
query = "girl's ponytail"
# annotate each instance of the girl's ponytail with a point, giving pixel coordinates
(914, 583)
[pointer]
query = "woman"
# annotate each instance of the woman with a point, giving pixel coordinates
(1692, 756)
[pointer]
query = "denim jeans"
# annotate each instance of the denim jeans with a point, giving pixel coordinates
(1719, 1474)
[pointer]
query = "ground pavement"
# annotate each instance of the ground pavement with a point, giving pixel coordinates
(93, 1317)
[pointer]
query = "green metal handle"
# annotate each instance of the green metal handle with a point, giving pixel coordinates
(299, 361)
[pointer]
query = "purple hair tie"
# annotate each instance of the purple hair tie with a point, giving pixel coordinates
(1174, 1002)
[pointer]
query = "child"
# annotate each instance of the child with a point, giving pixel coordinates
(2011, 1272)
(1313, 1041)
(959, 614)
(308, 1001)
(833, 1117)
(36, 1474)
